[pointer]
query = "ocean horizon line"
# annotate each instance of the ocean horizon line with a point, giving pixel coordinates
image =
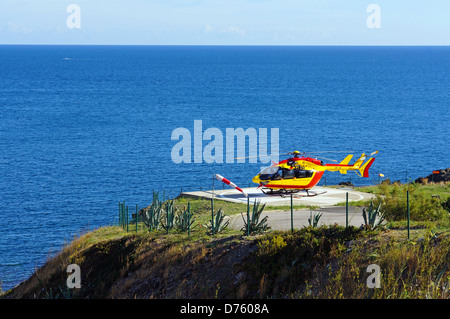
(231, 45)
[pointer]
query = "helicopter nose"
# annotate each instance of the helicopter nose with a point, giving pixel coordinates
(256, 179)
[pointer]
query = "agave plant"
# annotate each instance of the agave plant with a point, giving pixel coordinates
(217, 224)
(373, 218)
(152, 216)
(314, 220)
(168, 222)
(254, 225)
(184, 220)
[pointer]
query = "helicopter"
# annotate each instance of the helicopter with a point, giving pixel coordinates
(302, 172)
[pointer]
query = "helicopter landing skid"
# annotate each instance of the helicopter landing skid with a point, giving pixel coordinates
(283, 192)
(279, 192)
(311, 194)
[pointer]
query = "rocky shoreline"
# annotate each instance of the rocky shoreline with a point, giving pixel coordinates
(438, 176)
(442, 175)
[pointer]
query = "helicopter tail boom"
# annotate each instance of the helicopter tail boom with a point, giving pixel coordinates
(359, 166)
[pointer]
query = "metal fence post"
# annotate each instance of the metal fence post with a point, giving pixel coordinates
(127, 219)
(407, 208)
(292, 215)
(346, 210)
(189, 219)
(167, 217)
(212, 215)
(122, 214)
(248, 216)
(124, 222)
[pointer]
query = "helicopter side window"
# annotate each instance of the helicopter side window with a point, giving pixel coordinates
(303, 174)
(268, 172)
(300, 173)
(289, 174)
(278, 175)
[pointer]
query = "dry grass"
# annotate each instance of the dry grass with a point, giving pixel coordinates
(409, 269)
(331, 264)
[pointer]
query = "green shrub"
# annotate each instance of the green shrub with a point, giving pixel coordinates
(446, 204)
(270, 246)
(423, 207)
(409, 270)
(284, 260)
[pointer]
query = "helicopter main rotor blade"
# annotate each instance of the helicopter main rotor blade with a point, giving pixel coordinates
(259, 156)
(325, 158)
(349, 152)
(246, 157)
(304, 153)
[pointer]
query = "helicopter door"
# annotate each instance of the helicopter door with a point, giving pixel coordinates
(278, 175)
(289, 174)
(299, 173)
(268, 173)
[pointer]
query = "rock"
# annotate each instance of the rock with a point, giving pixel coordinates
(442, 176)
(346, 184)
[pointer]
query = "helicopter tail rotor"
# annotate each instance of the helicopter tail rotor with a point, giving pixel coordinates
(364, 169)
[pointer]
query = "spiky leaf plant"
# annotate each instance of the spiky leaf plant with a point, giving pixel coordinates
(152, 216)
(218, 223)
(314, 220)
(168, 221)
(255, 225)
(373, 218)
(184, 220)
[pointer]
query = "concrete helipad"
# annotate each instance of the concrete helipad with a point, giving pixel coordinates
(326, 196)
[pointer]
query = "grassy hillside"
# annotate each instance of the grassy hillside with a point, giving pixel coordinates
(312, 262)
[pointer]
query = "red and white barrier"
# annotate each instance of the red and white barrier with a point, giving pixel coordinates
(228, 182)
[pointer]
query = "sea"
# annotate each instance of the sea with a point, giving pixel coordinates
(84, 127)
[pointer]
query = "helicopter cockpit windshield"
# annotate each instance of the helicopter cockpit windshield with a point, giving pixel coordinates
(268, 172)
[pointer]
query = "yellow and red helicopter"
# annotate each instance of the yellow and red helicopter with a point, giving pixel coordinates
(301, 172)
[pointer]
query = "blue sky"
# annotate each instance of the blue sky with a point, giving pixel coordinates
(226, 22)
